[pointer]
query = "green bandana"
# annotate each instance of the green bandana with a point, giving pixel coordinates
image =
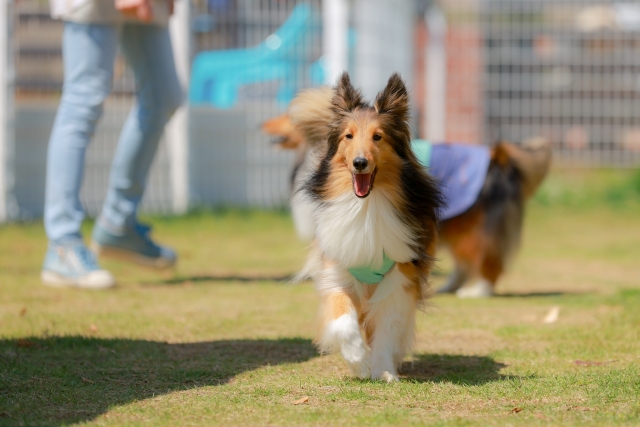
(366, 274)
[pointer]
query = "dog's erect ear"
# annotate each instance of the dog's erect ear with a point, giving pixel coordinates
(346, 98)
(394, 99)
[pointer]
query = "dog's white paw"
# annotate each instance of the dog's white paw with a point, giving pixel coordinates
(343, 334)
(480, 289)
(358, 357)
(361, 369)
(385, 376)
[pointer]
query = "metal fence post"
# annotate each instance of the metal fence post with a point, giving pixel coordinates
(436, 75)
(6, 110)
(177, 131)
(335, 20)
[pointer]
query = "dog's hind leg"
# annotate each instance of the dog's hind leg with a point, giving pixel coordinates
(455, 281)
(492, 268)
(465, 238)
(391, 317)
(340, 331)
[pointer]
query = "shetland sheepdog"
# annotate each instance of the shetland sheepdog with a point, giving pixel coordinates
(482, 235)
(375, 213)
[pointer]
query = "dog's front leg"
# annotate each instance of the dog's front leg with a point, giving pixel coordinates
(340, 331)
(392, 312)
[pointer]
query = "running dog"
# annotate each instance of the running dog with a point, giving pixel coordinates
(485, 190)
(375, 213)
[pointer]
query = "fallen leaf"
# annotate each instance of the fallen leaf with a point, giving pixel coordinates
(25, 343)
(23, 311)
(302, 400)
(586, 363)
(87, 380)
(592, 363)
(93, 328)
(552, 315)
(516, 410)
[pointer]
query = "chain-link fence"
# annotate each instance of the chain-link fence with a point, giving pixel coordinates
(251, 57)
(479, 71)
(230, 161)
(565, 69)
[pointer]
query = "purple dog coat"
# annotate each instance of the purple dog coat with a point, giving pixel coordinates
(459, 168)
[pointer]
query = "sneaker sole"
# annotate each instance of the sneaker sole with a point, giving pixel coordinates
(56, 280)
(130, 256)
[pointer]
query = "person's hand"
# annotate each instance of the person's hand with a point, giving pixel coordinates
(140, 9)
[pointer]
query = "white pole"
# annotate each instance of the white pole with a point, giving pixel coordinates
(435, 113)
(3, 110)
(6, 107)
(335, 22)
(177, 131)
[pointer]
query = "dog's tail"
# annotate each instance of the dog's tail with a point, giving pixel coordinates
(305, 125)
(502, 201)
(532, 159)
(310, 113)
(515, 172)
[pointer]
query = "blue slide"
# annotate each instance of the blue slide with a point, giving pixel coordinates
(217, 76)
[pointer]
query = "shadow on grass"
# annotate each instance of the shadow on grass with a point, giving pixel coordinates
(62, 380)
(211, 278)
(538, 294)
(465, 370)
(529, 294)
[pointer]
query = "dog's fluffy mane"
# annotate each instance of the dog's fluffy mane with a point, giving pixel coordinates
(418, 193)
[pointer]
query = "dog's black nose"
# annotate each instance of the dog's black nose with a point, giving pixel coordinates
(360, 163)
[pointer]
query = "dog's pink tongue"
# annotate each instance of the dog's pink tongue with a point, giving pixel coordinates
(363, 182)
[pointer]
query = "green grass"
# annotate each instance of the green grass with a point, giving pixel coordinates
(224, 340)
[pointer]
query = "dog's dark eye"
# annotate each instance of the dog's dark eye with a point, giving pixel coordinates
(376, 137)
(349, 136)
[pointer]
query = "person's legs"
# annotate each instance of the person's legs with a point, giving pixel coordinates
(88, 54)
(158, 94)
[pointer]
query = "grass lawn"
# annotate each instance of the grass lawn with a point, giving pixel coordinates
(223, 340)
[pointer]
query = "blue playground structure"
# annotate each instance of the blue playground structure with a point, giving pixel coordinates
(217, 76)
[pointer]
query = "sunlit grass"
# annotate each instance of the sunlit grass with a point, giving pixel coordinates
(224, 340)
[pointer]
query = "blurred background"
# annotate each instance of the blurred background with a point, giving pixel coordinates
(478, 70)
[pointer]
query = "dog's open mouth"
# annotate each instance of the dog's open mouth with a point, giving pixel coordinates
(362, 183)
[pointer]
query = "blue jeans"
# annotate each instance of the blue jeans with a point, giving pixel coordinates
(89, 52)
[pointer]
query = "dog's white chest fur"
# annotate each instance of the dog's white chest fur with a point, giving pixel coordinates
(354, 232)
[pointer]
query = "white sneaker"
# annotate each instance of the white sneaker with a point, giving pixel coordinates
(71, 264)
